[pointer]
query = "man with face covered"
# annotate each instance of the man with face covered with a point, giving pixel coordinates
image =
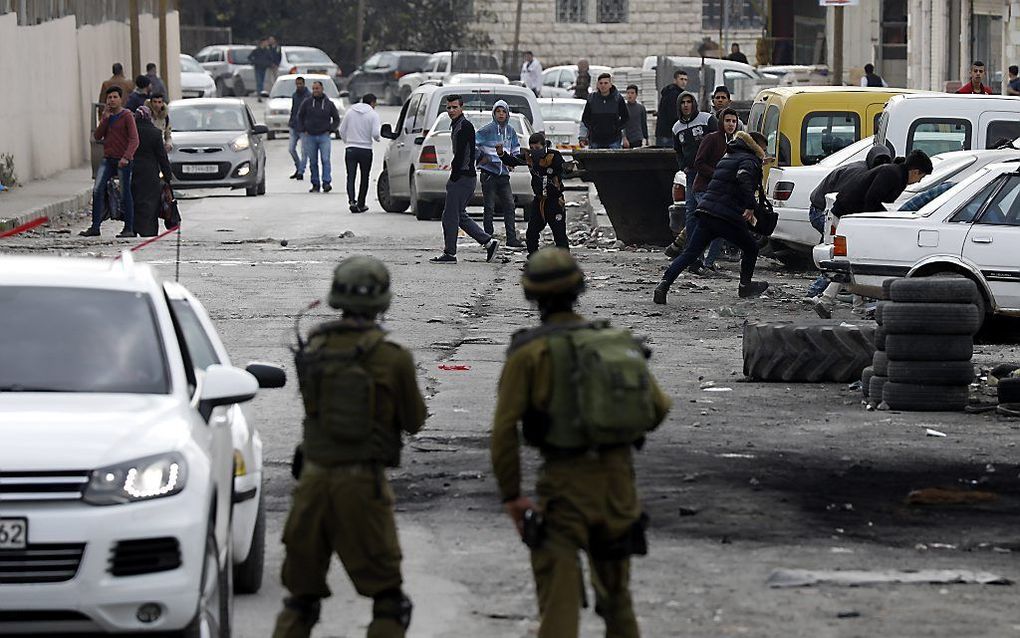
(546, 166)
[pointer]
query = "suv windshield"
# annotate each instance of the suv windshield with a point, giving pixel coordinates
(307, 56)
(471, 62)
(207, 117)
(474, 101)
(80, 340)
(562, 111)
(190, 65)
(284, 87)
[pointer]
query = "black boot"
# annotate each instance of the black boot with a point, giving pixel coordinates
(659, 296)
(752, 289)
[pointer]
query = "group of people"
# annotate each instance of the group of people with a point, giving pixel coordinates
(134, 129)
(265, 60)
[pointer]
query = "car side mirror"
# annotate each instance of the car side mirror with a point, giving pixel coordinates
(387, 132)
(225, 385)
(268, 375)
(260, 129)
(345, 94)
(419, 140)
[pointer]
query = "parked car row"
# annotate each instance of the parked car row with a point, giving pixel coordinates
(234, 75)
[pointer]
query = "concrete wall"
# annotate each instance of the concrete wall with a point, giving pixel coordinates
(46, 125)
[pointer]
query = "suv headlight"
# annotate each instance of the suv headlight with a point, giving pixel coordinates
(240, 143)
(140, 480)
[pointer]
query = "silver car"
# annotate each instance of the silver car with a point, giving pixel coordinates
(222, 61)
(195, 80)
(217, 144)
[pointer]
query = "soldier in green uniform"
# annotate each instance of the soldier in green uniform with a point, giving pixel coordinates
(360, 393)
(582, 393)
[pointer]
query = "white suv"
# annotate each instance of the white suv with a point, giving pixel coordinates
(118, 463)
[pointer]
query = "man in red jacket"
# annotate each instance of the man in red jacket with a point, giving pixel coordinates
(119, 136)
(976, 84)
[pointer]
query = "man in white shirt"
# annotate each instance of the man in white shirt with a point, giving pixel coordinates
(360, 127)
(531, 73)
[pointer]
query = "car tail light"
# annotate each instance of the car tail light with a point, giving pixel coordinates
(783, 191)
(428, 155)
(293, 70)
(839, 246)
(399, 74)
(679, 192)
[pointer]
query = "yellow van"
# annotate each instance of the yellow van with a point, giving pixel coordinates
(807, 123)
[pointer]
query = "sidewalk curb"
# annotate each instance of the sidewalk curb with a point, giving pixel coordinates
(54, 210)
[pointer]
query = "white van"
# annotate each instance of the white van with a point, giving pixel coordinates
(943, 122)
(416, 118)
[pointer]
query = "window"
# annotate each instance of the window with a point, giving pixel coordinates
(938, 135)
(1001, 131)
(207, 117)
(741, 85)
(880, 132)
(822, 134)
(307, 56)
(412, 109)
(971, 208)
(771, 129)
(611, 11)
(894, 29)
(419, 115)
(1004, 207)
(551, 78)
(755, 117)
(743, 14)
(571, 10)
(200, 348)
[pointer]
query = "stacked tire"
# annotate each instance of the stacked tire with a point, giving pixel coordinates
(925, 341)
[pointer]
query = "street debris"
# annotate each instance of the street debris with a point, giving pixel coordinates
(781, 578)
(459, 367)
(931, 432)
(944, 496)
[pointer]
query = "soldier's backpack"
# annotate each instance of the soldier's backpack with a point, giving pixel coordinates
(602, 388)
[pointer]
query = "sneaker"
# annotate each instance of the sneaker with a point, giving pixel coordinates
(353, 207)
(444, 259)
(514, 244)
(90, 232)
(659, 295)
(299, 176)
(672, 251)
(326, 187)
(314, 188)
(823, 310)
(490, 249)
(296, 175)
(124, 234)
(752, 289)
(696, 268)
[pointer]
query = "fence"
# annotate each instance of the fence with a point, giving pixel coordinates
(86, 11)
(194, 38)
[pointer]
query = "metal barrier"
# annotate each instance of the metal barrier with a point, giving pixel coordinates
(86, 11)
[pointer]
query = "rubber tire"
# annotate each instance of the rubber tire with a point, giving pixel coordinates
(931, 319)
(271, 135)
(880, 338)
(929, 348)
(876, 389)
(390, 96)
(1009, 390)
(261, 188)
(382, 190)
(938, 373)
(423, 210)
(934, 290)
(248, 574)
(887, 287)
(866, 376)
(880, 312)
(251, 191)
(194, 628)
(880, 364)
(925, 398)
(807, 351)
(222, 90)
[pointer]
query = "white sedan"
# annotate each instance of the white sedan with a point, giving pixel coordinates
(971, 230)
(428, 186)
(195, 81)
(280, 100)
(562, 116)
(559, 81)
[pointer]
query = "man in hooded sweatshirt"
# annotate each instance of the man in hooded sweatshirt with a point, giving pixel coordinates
(605, 115)
(691, 127)
(359, 129)
(301, 93)
(317, 118)
(490, 141)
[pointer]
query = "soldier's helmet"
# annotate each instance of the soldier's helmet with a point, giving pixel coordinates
(552, 272)
(361, 284)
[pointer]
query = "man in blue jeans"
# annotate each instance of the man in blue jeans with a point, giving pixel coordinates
(119, 137)
(690, 128)
(461, 187)
(301, 93)
(317, 118)
(491, 140)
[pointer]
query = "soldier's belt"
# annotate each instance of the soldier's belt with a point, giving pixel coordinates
(351, 469)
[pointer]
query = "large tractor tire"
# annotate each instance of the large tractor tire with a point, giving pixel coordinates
(811, 352)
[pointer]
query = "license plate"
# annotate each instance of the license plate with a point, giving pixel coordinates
(13, 533)
(200, 168)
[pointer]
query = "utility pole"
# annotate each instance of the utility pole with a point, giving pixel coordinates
(517, 36)
(136, 54)
(837, 47)
(164, 72)
(359, 34)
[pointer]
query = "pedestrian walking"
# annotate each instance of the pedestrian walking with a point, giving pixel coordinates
(547, 208)
(559, 389)
(635, 133)
(156, 85)
(139, 95)
(117, 79)
(722, 100)
(531, 73)
(492, 140)
(151, 170)
(870, 78)
(1013, 87)
(360, 395)
(275, 58)
(301, 93)
(359, 129)
(317, 119)
(582, 85)
(725, 210)
(736, 54)
(261, 58)
(691, 126)
(605, 115)
(460, 187)
(666, 115)
(161, 118)
(119, 136)
(976, 86)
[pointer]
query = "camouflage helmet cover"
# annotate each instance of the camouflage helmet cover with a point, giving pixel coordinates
(552, 272)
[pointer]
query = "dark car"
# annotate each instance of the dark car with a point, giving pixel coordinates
(381, 72)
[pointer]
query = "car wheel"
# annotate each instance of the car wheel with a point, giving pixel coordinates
(251, 191)
(423, 210)
(937, 373)
(923, 398)
(271, 135)
(212, 618)
(389, 204)
(221, 88)
(930, 319)
(390, 96)
(261, 188)
(921, 347)
(248, 575)
(807, 351)
(239, 90)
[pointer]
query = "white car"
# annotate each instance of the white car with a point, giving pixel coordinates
(278, 106)
(195, 80)
(428, 185)
(441, 66)
(563, 128)
(743, 80)
(118, 471)
(971, 230)
(559, 81)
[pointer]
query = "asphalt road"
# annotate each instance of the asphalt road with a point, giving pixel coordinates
(738, 482)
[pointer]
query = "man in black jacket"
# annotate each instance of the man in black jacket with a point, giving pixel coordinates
(666, 115)
(546, 167)
(725, 210)
(605, 115)
(301, 93)
(461, 187)
(317, 118)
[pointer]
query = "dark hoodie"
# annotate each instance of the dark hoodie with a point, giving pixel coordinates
(666, 115)
(868, 191)
(605, 117)
(735, 182)
(840, 177)
(296, 101)
(712, 149)
(688, 131)
(318, 116)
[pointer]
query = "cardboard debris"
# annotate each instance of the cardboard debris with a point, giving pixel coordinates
(858, 578)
